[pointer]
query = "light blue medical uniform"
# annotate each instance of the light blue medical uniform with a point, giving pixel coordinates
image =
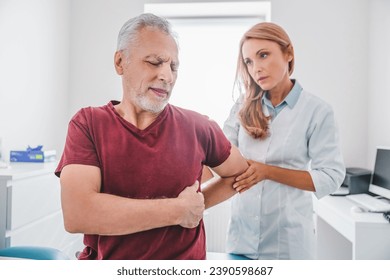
(272, 220)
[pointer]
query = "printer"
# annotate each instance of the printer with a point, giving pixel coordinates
(357, 180)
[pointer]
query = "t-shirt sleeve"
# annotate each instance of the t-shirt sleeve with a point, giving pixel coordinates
(218, 146)
(79, 145)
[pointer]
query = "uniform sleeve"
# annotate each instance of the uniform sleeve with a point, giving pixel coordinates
(79, 145)
(232, 125)
(327, 165)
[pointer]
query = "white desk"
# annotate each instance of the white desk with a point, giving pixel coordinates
(30, 209)
(342, 234)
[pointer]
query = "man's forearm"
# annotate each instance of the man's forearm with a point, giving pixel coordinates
(221, 188)
(218, 190)
(106, 214)
(97, 217)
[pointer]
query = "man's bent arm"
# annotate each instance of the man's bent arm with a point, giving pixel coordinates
(88, 211)
(220, 189)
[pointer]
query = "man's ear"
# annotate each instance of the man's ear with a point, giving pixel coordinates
(118, 62)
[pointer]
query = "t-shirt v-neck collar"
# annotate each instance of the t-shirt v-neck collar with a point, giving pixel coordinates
(133, 128)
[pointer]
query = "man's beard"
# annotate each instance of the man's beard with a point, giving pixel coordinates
(147, 104)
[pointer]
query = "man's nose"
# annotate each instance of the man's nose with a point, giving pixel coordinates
(166, 74)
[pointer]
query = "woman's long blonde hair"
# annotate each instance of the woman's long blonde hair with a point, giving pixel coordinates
(251, 114)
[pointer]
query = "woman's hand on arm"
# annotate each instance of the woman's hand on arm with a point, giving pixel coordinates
(87, 210)
(258, 171)
(255, 173)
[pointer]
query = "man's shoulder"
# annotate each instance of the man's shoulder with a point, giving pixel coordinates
(188, 114)
(92, 112)
(189, 118)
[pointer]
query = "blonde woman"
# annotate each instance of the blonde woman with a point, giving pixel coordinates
(290, 140)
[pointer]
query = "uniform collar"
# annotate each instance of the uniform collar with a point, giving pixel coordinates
(291, 99)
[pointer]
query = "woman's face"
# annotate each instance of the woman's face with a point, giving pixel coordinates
(266, 63)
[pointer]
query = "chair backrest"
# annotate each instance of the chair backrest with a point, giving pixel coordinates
(33, 252)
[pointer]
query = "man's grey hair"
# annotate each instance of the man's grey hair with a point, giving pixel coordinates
(130, 29)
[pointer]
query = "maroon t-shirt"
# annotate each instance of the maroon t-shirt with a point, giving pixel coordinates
(157, 162)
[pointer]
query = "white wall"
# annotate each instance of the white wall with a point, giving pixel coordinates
(34, 59)
(331, 44)
(94, 27)
(378, 93)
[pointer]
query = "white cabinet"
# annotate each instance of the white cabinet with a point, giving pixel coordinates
(30, 209)
(342, 234)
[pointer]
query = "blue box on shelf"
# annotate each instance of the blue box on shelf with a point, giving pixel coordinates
(33, 155)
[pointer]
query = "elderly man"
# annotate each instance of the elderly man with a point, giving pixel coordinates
(130, 170)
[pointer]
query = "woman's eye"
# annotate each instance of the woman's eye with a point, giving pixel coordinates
(264, 55)
(247, 62)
